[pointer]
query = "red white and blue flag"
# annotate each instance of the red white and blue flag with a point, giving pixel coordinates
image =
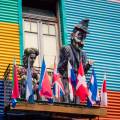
(104, 93)
(44, 83)
(58, 88)
(71, 81)
(93, 90)
(81, 87)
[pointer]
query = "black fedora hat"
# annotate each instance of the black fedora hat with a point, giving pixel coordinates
(83, 25)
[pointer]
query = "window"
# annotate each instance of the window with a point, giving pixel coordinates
(49, 43)
(31, 36)
(41, 33)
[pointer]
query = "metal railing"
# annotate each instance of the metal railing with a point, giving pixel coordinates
(8, 83)
(22, 88)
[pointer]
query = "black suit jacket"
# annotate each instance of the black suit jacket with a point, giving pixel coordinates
(74, 56)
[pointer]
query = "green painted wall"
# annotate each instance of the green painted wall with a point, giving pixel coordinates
(11, 12)
(63, 22)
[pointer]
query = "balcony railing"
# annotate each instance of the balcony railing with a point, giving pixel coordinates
(8, 82)
(42, 105)
(22, 87)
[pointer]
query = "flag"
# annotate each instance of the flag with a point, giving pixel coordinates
(58, 88)
(71, 81)
(15, 89)
(14, 102)
(98, 97)
(104, 93)
(29, 90)
(92, 92)
(81, 87)
(44, 83)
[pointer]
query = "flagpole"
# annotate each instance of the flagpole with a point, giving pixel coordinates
(104, 92)
(76, 72)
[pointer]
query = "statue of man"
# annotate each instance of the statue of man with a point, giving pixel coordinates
(74, 52)
(30, 53)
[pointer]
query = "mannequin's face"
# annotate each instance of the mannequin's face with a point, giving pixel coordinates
(32, 58)
(78, 39)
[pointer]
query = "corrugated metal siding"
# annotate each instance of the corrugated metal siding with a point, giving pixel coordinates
(9, 33)
(20, 28)
(9, 45)
(9, 11)
(102, 44)
(63, 22)
(113, 109)
(1, 98)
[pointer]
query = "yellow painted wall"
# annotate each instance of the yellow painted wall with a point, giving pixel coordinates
(9, 45)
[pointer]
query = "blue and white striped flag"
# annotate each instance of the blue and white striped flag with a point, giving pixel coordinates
(71, 81)
(29, 90)
(92, 95)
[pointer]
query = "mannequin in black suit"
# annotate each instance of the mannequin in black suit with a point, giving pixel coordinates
(73, 52)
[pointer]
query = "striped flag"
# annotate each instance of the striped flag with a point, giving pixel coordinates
(93, 90)
(98, 97)
(71, 81)
(58, 88)
(44, 83)
(104, 93)
(29, 90)
(81, 87)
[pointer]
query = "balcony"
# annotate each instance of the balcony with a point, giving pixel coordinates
(40, 107)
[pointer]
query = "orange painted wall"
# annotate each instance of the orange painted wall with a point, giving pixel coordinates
(113, 109)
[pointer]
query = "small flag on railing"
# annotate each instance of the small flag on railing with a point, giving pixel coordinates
(104, 93)
(81, 88)
(44, 83)
(29, 90)
(92, 95)
(71, 81)
(15, 89)
(58, 88)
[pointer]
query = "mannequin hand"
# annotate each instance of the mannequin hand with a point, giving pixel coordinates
(90, 62)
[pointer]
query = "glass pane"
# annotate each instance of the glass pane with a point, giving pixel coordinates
(49, 45)
(49, 50)
(45, 29)
(26, 26)
(52, 29)
(34, 27)
(30, 40)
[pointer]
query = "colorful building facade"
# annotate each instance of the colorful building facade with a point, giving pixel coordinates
(102, 44)
(47, 25)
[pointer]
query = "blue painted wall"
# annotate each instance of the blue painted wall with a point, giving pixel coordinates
(1, 99)
(103, 42)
